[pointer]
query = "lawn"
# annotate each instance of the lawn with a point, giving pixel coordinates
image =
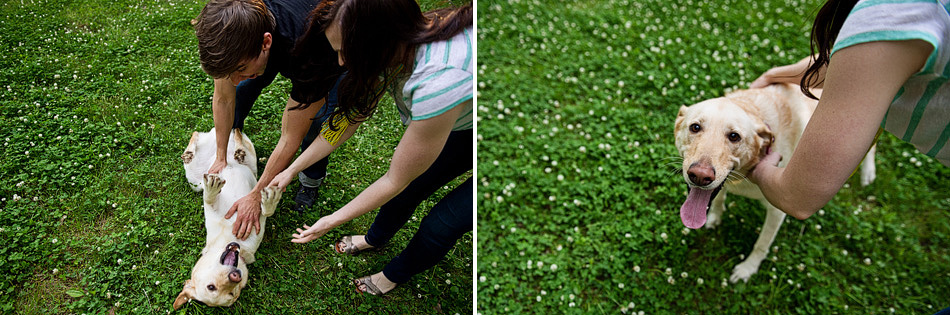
(579, 185)
(97, 101)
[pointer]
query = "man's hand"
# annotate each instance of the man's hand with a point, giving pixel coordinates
(248, 211)
(217, 166)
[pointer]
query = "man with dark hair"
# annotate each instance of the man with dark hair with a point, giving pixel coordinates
(243, 45)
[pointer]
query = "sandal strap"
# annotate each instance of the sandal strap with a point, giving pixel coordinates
(370, 286)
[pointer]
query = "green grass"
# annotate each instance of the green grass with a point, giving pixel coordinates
(578, 192)
(97, 102)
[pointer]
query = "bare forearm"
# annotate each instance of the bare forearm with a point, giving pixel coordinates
(222, 110)
(374, 196)
(276, 163)
(319, 149)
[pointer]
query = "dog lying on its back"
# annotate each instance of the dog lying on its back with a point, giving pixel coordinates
(221, 272)
(722, 139)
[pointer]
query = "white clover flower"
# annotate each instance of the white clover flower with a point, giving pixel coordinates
(554, 266)
(447, 281)
(663, 236)
(669, 271)
(867, 261)
(699, 281)
(671, 280)
(684, 275)
(636, 268)
(620, 285)
(539, 298)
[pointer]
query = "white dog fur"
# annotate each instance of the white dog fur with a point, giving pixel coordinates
(721, 139)
(221, 272)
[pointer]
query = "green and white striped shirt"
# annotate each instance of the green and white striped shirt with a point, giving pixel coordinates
(920, 112)
(441, 79)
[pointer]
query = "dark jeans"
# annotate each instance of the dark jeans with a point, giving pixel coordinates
(448, 220)
(247, 93)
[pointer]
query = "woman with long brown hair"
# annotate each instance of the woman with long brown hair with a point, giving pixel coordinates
(426, 62)
(881, 64)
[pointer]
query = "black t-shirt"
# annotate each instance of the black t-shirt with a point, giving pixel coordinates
(309, 83)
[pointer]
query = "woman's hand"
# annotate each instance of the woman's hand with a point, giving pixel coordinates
(792, 73)
(766, 168)
(309, 233)
(283, 179)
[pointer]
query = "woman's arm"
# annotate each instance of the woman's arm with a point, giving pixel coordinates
(792, 73)
(317, 150)
(420, 145)
(861, 82)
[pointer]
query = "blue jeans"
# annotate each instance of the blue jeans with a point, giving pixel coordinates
(445, 223)
(247, 93)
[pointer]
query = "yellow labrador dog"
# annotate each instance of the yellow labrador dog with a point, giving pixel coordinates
(221, 272)
(721, 139)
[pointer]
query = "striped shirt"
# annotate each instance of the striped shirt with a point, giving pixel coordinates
(920, 112)
(441, 79)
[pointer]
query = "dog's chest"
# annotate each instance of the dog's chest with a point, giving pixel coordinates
(744, 188)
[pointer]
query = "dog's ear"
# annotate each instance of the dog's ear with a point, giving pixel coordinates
(187, 294)
(765, 137)
(680, 117)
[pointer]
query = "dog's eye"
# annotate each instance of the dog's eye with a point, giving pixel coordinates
(695, 128)
(211, 287)
(734, 137)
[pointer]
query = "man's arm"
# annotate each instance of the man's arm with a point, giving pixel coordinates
(294, 126)
(222, 109)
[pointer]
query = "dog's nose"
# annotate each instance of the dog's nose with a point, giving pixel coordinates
(701, 175)
(235, 276)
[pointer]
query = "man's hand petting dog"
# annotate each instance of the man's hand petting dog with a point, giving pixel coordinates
(248, 210)
(217, 166)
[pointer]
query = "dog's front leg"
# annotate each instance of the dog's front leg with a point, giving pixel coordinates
(714, 217)
(269, 198)
(213, 184)
(773, 221)
(868, 171)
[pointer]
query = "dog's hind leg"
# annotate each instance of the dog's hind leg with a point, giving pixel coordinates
(773, 221)
(213, 184)
(190, 149)
(240, 149)
(269, 198)
(868, 171)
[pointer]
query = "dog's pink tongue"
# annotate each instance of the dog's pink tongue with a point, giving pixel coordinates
(693, 211)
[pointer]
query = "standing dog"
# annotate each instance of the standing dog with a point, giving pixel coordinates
(221, 272)
(722, 139)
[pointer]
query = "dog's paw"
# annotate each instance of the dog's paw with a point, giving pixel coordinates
(744, 271)
(187, 157)
(270, 196)
(713, 220)
(213, 182)
(239, 155)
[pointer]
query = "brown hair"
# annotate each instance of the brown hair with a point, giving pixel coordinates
(823, 35)
(377, 37)
(229, 32)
